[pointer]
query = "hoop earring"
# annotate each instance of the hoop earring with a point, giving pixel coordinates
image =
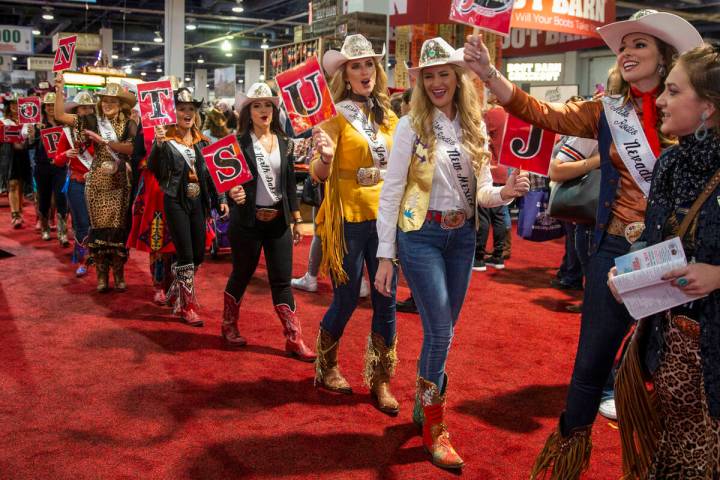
(701, 132)
(662, 70)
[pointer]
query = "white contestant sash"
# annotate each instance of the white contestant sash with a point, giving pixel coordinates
(108, 133)
(370, 132)
(188, 153)
(267, 174)
(630, 140)
(450, 152)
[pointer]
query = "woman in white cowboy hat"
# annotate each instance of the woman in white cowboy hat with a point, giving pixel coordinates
(353, 150)
(438, 172)
(49, 178)
(265, 218)
(177, 162)
(107, 189)
(77, 157)
(19, 173)
(627, 127)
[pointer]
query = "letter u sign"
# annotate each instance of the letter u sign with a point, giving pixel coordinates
(305, 105)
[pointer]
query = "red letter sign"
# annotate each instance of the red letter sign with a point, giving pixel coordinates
(491, 15)
(157, 103)
(29, 110)
(51, 139)
(526, 147)
(226, 164)
(306, 96)
(11, 134)
(64, 53)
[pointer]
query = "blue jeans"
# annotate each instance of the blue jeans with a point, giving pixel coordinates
(78, 208)
(437, 264)
(583, 234)
(605, 322)
(571, 272)
(362, 243)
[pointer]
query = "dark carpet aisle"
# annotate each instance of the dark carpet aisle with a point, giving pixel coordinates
(109, 386)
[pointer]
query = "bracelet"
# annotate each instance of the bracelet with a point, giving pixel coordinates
(394, 261)
(297, 221)
(323, 161)
(494, 73)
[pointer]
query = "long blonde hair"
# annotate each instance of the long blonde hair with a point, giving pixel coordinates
(468, 105)
(339, 90)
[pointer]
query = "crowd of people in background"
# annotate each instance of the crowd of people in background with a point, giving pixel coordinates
(411, 184)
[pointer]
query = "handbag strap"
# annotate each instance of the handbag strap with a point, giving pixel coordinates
(699, 201)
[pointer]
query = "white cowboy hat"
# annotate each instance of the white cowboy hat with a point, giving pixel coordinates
(257, 91)
(354, 47)
(671, 29)
(435, 52)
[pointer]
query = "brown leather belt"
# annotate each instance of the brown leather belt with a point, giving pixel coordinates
(687, 326)
(266, 214)
(631, 231)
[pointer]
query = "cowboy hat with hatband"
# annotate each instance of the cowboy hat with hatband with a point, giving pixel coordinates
(257, 91)
(115, 90)
(354, 47)
(436, 52)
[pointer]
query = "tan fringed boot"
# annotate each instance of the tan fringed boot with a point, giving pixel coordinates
(564, 457)
(380, 363)
(327, 373)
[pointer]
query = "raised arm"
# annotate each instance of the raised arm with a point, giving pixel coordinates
(325, 142)
(60, 115)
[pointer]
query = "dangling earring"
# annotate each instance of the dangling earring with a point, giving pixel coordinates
(662, 70)
(347, 86)
(702, 131)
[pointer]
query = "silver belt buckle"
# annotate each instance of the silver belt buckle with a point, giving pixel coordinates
(452, 219)
(192, 190)
(633, 231)
(367, 177)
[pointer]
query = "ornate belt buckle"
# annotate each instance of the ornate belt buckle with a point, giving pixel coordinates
(367, 177)
(192, 190)
(452, 219)
(266, 214)
(108, 167)
(633, 231)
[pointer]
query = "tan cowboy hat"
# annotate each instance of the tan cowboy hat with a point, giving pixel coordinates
(174, 81)
(354, 47)
(81, 99)
(435, 52)
(49, 98)
(116, 90)
(184, 95)
(671, 29)
(257, 91)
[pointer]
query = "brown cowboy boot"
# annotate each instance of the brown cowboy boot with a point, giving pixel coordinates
(102, 268)
(229, 329)
(294, 344)
(436, 438)
(564, 457)
(327, 373)
(380, 363)
(118, 269)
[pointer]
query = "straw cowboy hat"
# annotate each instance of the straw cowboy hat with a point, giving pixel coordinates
(257, 91)
(354, 47)
(184, 95)
(116, 91)
(435, 52)
(81, 99)
(671, 29)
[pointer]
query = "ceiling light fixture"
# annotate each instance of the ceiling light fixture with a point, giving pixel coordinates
(48, 13)
(226, 45)
(191, 25)
(128, 70)
(261, 78)
(36, 32)
(158, 38)
(158, 70)
(14, 59)
(264, 45)
(200, 59)
(115, 56)
(142, 74)
(238, 8)
(136, 48)
(228, 54)
(187, 79)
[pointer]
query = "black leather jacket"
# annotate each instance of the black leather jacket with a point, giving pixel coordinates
(171, 172)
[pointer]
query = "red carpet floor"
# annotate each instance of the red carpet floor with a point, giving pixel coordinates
(109, 386)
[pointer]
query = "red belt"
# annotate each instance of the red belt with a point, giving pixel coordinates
(434, 216)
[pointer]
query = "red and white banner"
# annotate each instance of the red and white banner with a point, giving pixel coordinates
(578, 17)
(11, 134)
(491, 15)
(526, 147)
(29, 110)
(51, 138)
(523, 42)
(157, 103)
(418, 12)
(226, 163)
(64, 53)
(306, 96)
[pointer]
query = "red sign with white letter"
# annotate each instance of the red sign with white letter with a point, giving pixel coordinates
(64, 53)
(306, 96)
(11, 134)
(157, 103)
(29, 110)
(526, 147)
(51, 138)
(226, 163)
(492, 15)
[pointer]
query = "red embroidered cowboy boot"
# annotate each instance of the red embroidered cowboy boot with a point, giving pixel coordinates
(436, 438)
(294, 344)
(229, 329)
(186, 303)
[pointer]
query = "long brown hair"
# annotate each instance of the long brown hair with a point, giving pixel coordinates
(339, 90)
(217, 124)
(702, 65)
(245, 122)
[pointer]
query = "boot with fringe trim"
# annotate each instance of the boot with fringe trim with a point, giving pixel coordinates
(380, 363)
(564, 457)
(327, 373)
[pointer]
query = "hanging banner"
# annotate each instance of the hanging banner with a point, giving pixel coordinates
(578, 17)
(418, 12)
(526, 147)
(306, 96)
(51, 138)
(523, 42)
(64, 53)
(157, 103)
(491, 15)
(29, 110)
(11, 134)
(226, 164)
